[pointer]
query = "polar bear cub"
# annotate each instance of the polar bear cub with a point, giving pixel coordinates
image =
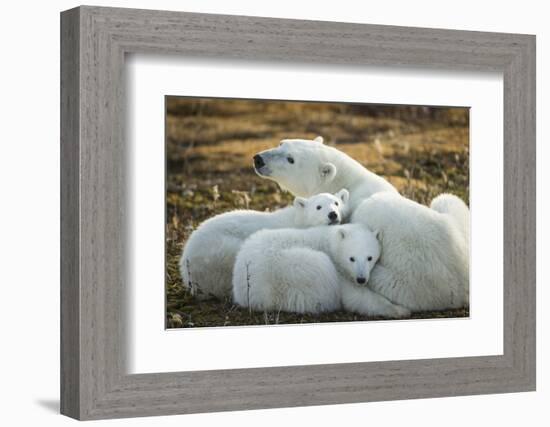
(206, 264)
(309, 271)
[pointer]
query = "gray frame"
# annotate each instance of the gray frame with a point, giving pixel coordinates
(94, 41)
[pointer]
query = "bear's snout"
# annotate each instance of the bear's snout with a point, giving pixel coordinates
(361, 280)
(258, 161)
(332, 215)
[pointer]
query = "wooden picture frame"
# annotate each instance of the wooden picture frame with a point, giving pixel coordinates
(94, 382)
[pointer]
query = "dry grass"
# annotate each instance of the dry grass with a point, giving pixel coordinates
(210, 144)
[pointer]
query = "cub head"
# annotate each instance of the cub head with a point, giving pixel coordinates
(321, 209)
(297, 165)
(355, 249)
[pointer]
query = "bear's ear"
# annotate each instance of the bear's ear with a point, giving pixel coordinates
(319, 139)
(300, 202)
(327, 172)
(376, 234)
(342, 233)
(343, 195)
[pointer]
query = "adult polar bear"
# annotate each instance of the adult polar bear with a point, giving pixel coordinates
(306, 168)
(425, 251)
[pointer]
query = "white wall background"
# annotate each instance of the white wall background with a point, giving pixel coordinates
(29, 213)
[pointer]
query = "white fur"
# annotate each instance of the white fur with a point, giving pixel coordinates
(206, 264)
(425, 255)
(449, 204)
(309, 271)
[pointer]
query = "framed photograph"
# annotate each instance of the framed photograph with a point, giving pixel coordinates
(262, 213)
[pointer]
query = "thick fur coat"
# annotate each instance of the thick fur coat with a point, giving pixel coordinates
(425, 256)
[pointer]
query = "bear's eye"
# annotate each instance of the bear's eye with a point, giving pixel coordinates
(352, 259)
(319, 207)
(369, 258)
(290, 160)
(336, 203)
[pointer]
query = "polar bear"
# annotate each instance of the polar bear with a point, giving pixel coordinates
(305, 167)
(206, 264)
(310, 271)
(425, 257)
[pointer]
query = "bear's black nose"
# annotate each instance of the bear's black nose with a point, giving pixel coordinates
(361, 280)
(258, 161)
(332, 216)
